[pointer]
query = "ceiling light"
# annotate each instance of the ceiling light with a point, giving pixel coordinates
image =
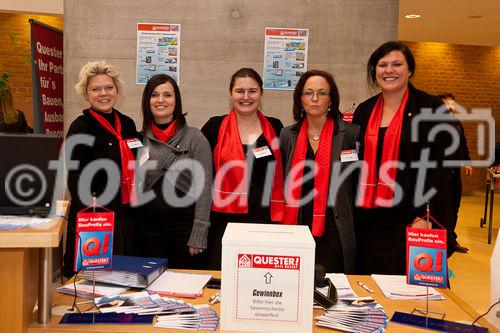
(412, 16)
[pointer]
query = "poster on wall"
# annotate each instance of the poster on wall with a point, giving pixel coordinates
(158, 51)
(47, 78)
(285, 57)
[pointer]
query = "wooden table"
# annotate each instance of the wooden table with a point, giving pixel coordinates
(453, 306)
(491, 177)
(25, 271)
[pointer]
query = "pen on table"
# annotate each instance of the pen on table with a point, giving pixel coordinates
(410, 295)
(365, 287)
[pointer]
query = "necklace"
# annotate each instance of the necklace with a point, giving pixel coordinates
(315, 137)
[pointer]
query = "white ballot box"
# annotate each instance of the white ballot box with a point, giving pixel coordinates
(267, 278)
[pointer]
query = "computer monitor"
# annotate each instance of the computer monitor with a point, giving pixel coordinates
(28, 182)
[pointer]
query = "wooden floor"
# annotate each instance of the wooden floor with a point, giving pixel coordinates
(472, 269)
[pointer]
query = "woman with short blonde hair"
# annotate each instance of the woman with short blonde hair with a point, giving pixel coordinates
(95, 68)
(114, 140)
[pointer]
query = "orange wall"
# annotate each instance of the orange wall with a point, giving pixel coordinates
(472, 74)
(15, 55)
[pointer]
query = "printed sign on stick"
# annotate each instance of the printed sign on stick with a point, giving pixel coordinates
(94, 240)
(426, 263)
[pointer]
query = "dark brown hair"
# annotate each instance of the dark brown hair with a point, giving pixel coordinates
(155, 81)
(381, 52)
(245, 72)
(333, 111)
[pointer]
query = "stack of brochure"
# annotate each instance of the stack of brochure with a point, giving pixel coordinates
(204, 318)
(143, 304)
(362, 314)
(85, 289)
(136, 272)
(395, 287)
(171, 313)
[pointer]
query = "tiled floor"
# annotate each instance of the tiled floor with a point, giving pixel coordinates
(472, 269)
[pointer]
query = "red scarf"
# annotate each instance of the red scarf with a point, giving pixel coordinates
(234, 185)
(127, 183)
(321, 180)
(166, 134)
(373, 189)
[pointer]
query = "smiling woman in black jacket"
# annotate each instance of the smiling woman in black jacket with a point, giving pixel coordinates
(390, 195)
(113, 142)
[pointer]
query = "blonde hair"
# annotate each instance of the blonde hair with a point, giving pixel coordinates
(95, 68)
(10, 114)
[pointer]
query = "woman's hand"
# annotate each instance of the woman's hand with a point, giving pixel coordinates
(420, 223)
(195, 250)
(468, 170)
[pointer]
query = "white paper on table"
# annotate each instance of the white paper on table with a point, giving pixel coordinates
(395, 287)
(179, 284)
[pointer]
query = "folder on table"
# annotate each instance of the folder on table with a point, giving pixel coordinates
(135, 272)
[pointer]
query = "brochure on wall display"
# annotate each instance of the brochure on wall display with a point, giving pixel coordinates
(158, 51)
(285, 57)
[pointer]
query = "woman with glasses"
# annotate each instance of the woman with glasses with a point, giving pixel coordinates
(391, 193)
(316, 150)
(177, 162)
(247, 162)
(114, 142)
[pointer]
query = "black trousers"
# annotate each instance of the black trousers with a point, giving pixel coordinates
(166, 238)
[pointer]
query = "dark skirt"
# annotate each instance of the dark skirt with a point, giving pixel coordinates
(381, 238)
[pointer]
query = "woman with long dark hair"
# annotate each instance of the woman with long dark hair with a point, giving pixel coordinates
(177, 166)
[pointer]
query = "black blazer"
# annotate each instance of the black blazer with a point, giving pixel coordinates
(411, 152)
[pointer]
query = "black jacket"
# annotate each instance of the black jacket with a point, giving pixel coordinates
(105, 146)
(411, 152)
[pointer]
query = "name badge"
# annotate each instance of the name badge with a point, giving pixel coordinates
(259, 152)
(144, 157)
(348, 155)
(134, 143)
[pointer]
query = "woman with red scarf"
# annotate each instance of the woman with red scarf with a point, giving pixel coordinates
(390, 189)
(317, 150)
(114, 141)
(248, 184)
(176, 164)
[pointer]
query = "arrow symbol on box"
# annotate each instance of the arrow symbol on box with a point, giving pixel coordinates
(268, 277)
